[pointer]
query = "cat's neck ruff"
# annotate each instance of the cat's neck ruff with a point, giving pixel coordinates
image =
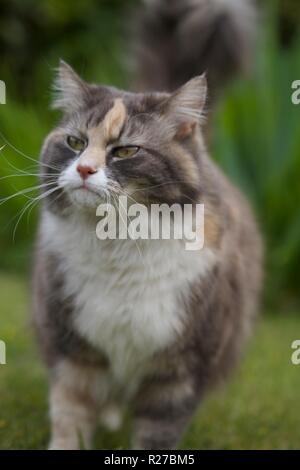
(127, 294)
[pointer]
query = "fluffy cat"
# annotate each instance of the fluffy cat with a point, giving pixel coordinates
(144, 324)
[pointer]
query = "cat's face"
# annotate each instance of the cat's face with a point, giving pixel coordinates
(111, 143)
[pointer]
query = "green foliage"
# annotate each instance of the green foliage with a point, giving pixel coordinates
(35, 34)
(258, 144)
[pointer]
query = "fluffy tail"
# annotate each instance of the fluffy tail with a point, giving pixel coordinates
(175, 40)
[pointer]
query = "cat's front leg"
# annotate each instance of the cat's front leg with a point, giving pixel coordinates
(76, 393)
(162, 410)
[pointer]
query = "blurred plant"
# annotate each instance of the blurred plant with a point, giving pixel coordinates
(289, 20)
(21, 133)
(34, 35)
(258, 144)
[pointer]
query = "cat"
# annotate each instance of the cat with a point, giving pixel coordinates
(144, 324)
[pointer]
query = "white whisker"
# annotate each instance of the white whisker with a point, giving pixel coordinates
(135, 241)
(26, 174)
(31, 204)
(25, 191)
(24, 155)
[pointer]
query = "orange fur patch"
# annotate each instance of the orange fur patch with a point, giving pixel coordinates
(212, 231)
(95, 154)
(114, 120)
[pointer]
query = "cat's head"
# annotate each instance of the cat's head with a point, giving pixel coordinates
(112, 143)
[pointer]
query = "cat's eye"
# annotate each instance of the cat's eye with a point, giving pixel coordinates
(125, 152)
(75, 143)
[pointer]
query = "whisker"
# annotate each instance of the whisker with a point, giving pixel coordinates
(36, 202)
(163, 184)
(159, 185)
(20, 214)
(25, 191)
(135, 241)
(24, 155)
(9, 163)
(27, 205)
(30, 197)
(25, 174)
(125, 193)
(31, 204)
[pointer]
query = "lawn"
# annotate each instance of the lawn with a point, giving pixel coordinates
(258, 410)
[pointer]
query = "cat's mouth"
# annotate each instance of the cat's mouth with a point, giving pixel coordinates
(84, 187)
(87, 196)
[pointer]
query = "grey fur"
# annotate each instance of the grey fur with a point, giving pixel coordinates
(218, 309)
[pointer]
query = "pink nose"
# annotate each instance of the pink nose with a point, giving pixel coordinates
(85, 171)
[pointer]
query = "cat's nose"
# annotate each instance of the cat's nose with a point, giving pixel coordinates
(85, 171)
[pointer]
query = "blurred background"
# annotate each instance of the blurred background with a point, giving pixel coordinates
(256, 140)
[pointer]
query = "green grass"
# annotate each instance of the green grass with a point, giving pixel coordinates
(257, 410)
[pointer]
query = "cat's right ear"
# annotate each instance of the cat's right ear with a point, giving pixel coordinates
(70, 91)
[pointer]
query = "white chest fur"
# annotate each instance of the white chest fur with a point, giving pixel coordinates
(126, 296)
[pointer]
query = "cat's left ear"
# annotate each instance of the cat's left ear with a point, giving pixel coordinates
(185, 106)
(70, 91)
